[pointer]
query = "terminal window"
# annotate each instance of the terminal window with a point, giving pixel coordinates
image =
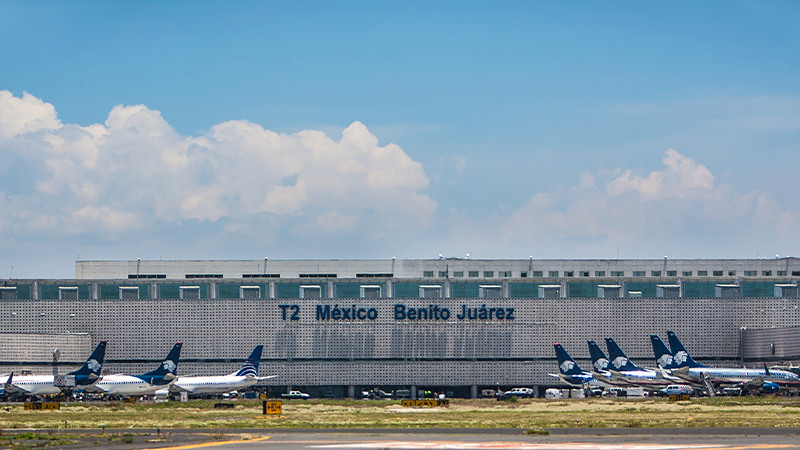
(672, 273)
(250, 291)
(68, 293)
(569, 273)
(750, 273)
(781, 273)
(473, 274)
(552, 273)
(8, 293)
(458, 274)
(488, 273)
(638, 273)
(584, 273)
(523, 274)
(370, 291)
(731, 273)
(537, 274)
(128, 293)
(504, 274)
(427, 273)
(655, 273)
(766, 273)
(442, 274)
(310, 292)
(599, 273)
(617, 273)
(702, 273)
(491, 292)
(687, 273)
(190, 292)
(717, 273)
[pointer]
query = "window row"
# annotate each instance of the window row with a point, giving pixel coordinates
(576, 289)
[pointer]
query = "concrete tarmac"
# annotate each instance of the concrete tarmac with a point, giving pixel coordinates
(576, 438)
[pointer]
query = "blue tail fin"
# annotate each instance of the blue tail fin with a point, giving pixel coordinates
(599, 361)
(169, 365)
(90, 370)
(663, 355)
(680, 356)
(619, 361)
(566, 364)
(250, 366)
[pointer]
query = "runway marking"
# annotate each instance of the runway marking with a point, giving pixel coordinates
(213, 444)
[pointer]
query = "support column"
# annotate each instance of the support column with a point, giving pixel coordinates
(351, 391)
(474, 391)
(413, 392)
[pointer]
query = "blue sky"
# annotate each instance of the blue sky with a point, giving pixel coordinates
(376, 129)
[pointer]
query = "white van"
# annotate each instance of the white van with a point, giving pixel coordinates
(553, 393)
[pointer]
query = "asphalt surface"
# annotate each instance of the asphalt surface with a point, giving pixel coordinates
(573, 438)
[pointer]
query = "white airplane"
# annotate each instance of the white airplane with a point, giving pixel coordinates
(83, 378)
(767, 381)
(146, 383)
(221, 384)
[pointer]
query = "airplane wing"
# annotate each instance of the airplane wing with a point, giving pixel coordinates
(10, 388)
(266, 378)
(174, 389)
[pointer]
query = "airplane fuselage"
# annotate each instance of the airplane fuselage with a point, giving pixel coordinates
(737, 376)
(129, 385)
(221, 384)
(37, 384)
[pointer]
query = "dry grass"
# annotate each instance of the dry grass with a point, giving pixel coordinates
(524, 414)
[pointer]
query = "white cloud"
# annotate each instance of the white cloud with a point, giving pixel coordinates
(680, 179)
(26, 114)
(678, 210)
(135, 172)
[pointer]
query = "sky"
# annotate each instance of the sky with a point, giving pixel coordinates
(371, 130)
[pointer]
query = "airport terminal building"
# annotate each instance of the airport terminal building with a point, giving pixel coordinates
(335, 327)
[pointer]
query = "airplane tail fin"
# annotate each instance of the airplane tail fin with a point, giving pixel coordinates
(663, 356)
(680, 356)
(599, 360)
(90, 370)
(566, 364)
(619, 360)
(170, 364)
(250, 366)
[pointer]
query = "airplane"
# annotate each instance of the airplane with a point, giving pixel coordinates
(569, 371)
(622, 368)
(765, 380)
(146, 383)
(222, 384)
(85, 377)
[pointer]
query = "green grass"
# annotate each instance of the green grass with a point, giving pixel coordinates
(524, 414)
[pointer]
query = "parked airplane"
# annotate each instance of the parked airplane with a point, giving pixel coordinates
(146, 383)
(622, 368)
(241, 379)
(569, 371)
(85, 377)
(764, 380)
